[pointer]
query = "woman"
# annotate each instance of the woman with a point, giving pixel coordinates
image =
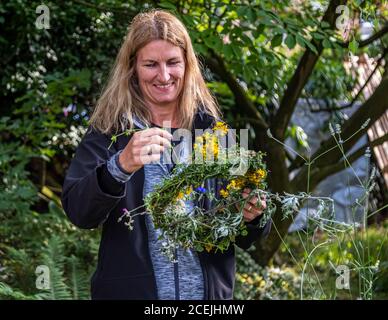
(156, 79)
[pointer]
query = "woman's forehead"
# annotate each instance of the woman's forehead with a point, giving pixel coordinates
(158, 50)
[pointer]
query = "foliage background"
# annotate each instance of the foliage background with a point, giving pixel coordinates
(259, 58)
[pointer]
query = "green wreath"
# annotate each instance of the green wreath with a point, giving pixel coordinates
(213, 229)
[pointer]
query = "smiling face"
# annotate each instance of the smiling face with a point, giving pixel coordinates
(160, 68)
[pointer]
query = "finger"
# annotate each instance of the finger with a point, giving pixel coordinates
(151, 149)
(159, 140)
(253, 210)
(253, 200)
(248, 206)
(158, 132)
(238, 206)
(147, 159)
(247, 190)
(248, 216)
(256, 211)
(245, 195)
(263, 204)
(150, 154)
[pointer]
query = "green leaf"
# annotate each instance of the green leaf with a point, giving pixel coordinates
(353, 46)
(309, 22)
(218, 43)
(301, 137)
(200, 48)
(256, 33)
(167, 5)
(228, 51)
(188, 20)
(248, 74)
(242, 11)
(277, 40)
(237, 51)
(326, 43)
(208, 41)
(300, 40)
(311, 47)
(318, 36)
(269, 80)
(198, 248)
(290, 41)
(251, 15)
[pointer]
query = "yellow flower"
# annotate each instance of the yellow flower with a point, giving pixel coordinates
(257, 176)
(240, 181)
(224, 193)
(180, 195)
(208, 247)
(236, 184)
(231, 185)
(249, 280)
(221, 127)
(261, 173)
(189, 190)
(207, 144)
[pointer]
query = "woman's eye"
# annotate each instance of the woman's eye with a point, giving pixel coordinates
(150, 65)
(174, 62)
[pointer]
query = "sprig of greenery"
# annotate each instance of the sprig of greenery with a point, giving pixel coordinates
(214, 229)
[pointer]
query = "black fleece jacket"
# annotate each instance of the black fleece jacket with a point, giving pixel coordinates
(92, 197)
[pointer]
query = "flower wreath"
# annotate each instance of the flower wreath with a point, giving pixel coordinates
(190, 226)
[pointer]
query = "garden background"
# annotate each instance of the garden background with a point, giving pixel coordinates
(264, 61)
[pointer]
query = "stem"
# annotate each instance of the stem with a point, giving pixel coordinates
(304, 267)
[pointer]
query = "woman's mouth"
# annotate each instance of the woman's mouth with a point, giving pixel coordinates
(164, 87)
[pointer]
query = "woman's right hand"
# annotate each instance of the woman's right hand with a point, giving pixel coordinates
(144, 147)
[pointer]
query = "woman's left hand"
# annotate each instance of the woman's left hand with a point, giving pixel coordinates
(252, 208)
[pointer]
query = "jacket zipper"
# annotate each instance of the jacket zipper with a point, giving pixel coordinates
(205, 276)
(149, 257)
(176, 275)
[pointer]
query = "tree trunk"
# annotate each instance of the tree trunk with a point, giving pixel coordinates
(373, 108)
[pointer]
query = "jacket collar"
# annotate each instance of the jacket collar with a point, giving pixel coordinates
(202, 120)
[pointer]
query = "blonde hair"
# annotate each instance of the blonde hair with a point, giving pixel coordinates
(121, 97)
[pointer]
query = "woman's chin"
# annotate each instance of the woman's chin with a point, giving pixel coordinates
(164, 99)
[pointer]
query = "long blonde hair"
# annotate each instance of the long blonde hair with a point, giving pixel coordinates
(121, 98)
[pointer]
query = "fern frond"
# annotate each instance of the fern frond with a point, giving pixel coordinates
(54, 258)
(79, 282)
(8, 293)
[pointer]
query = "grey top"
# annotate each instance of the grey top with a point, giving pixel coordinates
(180, 280)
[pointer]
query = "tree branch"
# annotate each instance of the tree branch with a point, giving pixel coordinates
(349, 105)
(371, 39)
(217, 65)
(297, 163)
(372, 109)
(339, 166)
(300, 77)
(100, 7)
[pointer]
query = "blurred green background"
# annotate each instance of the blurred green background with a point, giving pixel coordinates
(259, 58)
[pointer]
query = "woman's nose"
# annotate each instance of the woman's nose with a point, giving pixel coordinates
(164, 74)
